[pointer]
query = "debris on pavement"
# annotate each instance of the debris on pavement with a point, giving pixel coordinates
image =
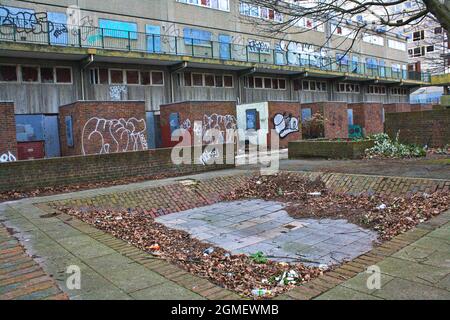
(366, 210)
(239, 273)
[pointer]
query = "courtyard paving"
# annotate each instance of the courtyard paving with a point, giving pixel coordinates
(263, 226)
(416, 266)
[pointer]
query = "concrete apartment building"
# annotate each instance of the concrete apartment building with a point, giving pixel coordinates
(53, 53)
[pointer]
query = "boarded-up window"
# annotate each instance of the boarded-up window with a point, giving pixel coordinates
(187, 79)
(258, 83)
(116, 76)
(209, 80)
(103, 76)
(8, 73)
(267, 83)
(251, 82)
(47, 75)
(157, 78)
(197, 79)
(219, 81)
(30, 74)
(282, 84)
(132, 76)
(228, 81)
(296, 85)
(145, 78)
(63, 75)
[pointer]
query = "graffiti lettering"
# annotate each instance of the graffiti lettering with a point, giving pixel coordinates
(285, 124)
(24, 22)
(218, 122)
(103, 136)
(7, 157)
(257, 46)
(208, 156)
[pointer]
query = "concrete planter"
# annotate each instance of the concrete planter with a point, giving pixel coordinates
(330, 149)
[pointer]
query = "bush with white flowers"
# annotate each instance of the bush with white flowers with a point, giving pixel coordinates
(385, 147)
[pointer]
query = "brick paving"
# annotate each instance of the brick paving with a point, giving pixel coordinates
(21, 278)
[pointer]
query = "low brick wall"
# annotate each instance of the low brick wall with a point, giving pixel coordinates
(430, 128)
(328, 149)
(8, 142)
(206, 192)
(28, 175)
(335, 115)
(369, 116)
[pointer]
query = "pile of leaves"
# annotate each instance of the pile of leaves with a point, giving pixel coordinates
(385, 147)
(445, 151)
(39, 192)
(239, 273)
(388, 215)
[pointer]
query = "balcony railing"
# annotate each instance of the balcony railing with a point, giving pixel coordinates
(100, 38)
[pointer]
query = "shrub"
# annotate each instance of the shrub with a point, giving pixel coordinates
(385, 147)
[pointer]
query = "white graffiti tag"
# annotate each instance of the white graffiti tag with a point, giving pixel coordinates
(115, 92)
(101, 136)
(285, 124)
(208, 156)
(220, 123)
(7, 157)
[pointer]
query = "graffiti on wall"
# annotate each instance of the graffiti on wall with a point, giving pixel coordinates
(285, 124)
(103, 136)
(7, 157)
(29, 22)
(209, 156)
(220, 123)
(115, 92)
(82, 25)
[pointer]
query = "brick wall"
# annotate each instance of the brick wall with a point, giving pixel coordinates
(397, 107)
(421, 107)
(291, 113)
(335, 115)
(213, 114)
(369, 116)
(430, 128)
(103, 127)
(8, 142)
(28, 175)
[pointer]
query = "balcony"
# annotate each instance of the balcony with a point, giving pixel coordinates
(310, 64)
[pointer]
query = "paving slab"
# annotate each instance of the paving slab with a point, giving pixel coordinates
(258, 225)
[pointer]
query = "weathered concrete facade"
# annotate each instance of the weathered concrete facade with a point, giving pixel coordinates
(137, 51)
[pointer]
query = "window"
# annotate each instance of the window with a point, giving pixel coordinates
(30, 74)
(209, 80)
(373, 39)
(266, 83)
(258, 83)
(145, 78)
(63, 75)
(157, 78)
(394, 44)
(297, 84)
(430, 48)
(197, 79)
(348, 88)
(438, 30)
(228, 81)
(418, 35)
(47, 75)
(187, 79)
(116, 76)
(103, 76)
(197, 37)
(418, 52)
(132, 76)
(312, 85)
(118, 29)
(219, 82)
(223, 5)
(256, 11)
(380, 90)
(8, 73)
(399, 91)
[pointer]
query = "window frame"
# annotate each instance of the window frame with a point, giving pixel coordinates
(17, 73)
(71, 75)
(125, 77)
(110, 78)
(30, 66)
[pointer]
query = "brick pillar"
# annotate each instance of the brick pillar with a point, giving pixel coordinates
(8, 142)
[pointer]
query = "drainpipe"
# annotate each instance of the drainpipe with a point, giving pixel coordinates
(177, 69)
(241, 75)
(83, 67)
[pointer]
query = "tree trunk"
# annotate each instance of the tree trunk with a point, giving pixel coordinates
(441, 10)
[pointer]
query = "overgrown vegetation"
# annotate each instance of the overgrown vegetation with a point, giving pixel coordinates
(385, 147)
